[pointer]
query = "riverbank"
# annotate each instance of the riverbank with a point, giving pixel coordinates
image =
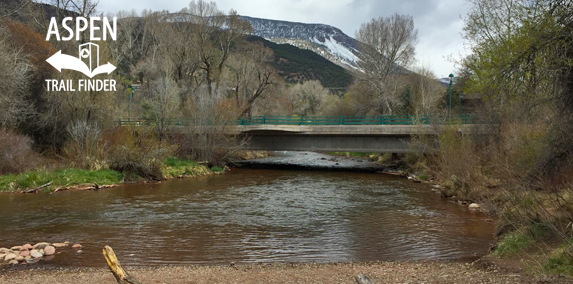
(381, 272)
(79, 179)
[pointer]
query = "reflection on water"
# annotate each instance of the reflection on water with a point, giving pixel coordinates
(250, 216)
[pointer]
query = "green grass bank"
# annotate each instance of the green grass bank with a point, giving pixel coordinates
(51, 180)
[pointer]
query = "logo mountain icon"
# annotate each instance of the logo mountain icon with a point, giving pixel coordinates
(63, 61)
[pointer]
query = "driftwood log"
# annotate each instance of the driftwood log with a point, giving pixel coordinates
(362, 279)
(121, 275)
(34, 190)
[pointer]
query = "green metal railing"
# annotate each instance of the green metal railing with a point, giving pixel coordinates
(357, 120)
(327, 120)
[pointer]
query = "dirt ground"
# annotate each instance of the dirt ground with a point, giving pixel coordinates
(384, 272)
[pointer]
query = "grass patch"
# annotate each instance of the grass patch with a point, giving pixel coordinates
(173, 168)
(59, 178)
(217, 169)
(513, 243)
(560, 262)
(423, 177)
(176, 163)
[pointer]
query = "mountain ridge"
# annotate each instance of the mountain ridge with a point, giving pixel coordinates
(328, 41)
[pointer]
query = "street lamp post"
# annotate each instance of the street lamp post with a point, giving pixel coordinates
(461, 99)
(130, 96)
(450, 95)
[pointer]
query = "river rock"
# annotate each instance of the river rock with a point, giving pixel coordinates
(77, 246)
(2, 255)
(60, 245)
(36, 254)
(19, 258)
(10, 256)
(13, 261)
(5, 250)
(49, 250)
(27, 246)
(24, 253)
(40, 246)
(16, 248)
(474, 206)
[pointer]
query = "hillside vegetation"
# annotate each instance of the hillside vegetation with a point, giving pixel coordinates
(297, 65)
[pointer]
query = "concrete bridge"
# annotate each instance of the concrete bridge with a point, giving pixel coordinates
(337, 138)
(379, 134)
(334, 138)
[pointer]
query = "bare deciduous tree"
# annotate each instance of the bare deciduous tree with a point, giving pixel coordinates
(86, 143)
(251, 76)
(385, 43)
(163, 102)
(214, 43)
(308, 98)
(13, 84)
(427, 91)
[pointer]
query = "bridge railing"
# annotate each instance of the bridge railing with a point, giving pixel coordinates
(356, 120)
(328, 120)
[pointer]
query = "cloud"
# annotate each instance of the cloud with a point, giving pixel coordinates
(438, 21)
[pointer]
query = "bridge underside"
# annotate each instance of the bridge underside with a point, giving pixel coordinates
(336, 138)
(329, 143)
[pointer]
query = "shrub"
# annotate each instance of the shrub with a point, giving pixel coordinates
(217, 169)
(16, 153)
(139, 155)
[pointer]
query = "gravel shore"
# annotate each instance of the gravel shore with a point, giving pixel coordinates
(384, 272)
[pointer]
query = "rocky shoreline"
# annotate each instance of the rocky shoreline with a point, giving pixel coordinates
(312, 161)
(31, 254)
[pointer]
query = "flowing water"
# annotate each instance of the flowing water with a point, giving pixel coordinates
(248, 216)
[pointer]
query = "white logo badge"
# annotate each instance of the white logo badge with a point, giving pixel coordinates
(87, 62)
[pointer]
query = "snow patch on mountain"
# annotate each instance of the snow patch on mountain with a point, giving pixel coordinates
(338, 49)
(325, 40)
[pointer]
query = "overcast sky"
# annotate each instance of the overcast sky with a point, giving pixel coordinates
(438, 22)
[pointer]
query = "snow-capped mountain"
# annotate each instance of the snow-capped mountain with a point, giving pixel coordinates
(325, 40)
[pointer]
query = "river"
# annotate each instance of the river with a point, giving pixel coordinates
(250, 216)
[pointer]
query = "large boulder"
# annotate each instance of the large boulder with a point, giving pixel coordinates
(474, 206)
(27, 246)
(24, 253)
